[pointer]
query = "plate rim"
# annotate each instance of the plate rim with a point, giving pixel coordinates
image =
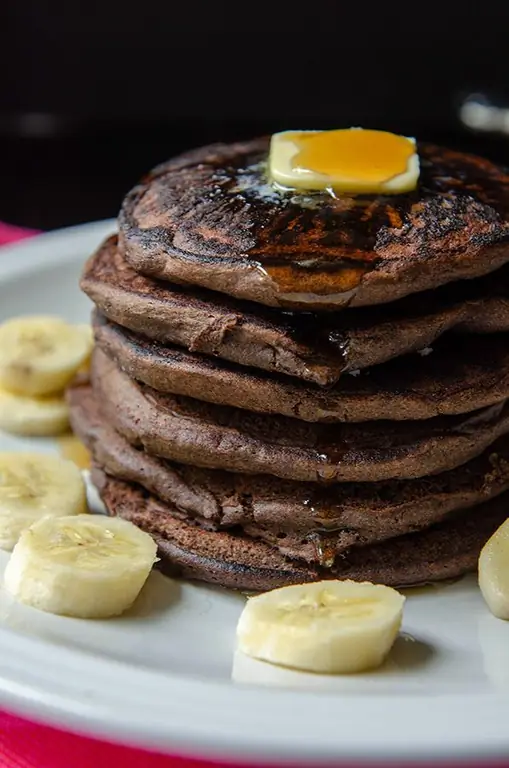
(163, 714)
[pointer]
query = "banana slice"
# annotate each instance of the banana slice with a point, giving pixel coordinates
(40, 355)
(328, 627)
(494, 572)
(87, 566)
(33, 486)
(33, 416)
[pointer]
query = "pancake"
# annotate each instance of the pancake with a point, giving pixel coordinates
(302, 520)
(237, 561)
(210, 218)
(314, 348)
(459, 375)
(221, 437)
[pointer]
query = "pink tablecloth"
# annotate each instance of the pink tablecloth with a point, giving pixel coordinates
(9, 234)
(29, 745)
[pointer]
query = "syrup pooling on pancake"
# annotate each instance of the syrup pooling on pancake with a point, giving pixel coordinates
(317, 247)
(310, 245)
(212, 218)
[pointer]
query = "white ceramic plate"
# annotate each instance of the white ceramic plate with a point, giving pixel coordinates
(166, 675)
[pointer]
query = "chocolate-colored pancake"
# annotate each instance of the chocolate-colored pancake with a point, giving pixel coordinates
(303, 520)
(221, 437)
(210, 218)
(315, 348)
(237, 561)
(459, 375)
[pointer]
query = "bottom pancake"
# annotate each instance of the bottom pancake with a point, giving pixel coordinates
(303, 521)
(237, 561)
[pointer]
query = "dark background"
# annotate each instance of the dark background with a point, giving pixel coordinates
(93, 94)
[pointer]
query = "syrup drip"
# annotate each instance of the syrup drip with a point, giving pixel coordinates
(305, 286)
(325, 515)
(72, 449)
(325, 548)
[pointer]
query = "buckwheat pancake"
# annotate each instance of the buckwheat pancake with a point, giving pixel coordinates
(312, 347)
(210, 218)
(444, 551)
(459, 375)
(208, 435)
(302, 520)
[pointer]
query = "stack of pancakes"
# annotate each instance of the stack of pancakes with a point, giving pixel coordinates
(288, 387)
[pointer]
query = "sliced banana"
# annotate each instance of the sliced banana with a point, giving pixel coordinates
(86, 566)
(494, 572)
(33, 416)
(328, 627)
(40, 355)
(33, 486)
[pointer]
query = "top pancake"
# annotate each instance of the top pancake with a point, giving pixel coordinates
(210, 218)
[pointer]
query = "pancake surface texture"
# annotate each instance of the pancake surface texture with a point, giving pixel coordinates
(457, 376)
(206, 435)
(210, 218)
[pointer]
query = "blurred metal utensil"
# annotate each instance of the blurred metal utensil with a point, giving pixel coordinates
(477, 112)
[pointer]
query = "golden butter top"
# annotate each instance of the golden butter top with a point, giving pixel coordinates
(351, 160)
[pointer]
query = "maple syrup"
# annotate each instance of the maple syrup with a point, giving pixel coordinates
(72, 449)
(354, 155)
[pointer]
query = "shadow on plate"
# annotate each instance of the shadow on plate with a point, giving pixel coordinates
(158, 595)
(408, 655)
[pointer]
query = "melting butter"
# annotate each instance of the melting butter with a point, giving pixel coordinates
(348, 161)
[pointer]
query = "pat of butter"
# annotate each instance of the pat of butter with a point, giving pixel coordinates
(350, 160)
